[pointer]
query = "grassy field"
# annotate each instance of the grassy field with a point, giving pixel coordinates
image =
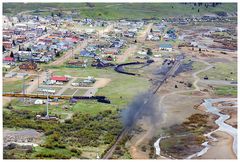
(119, 10)
(198, 66)
(53, 109)
(222, 71)
(15, 85)
(226, 91)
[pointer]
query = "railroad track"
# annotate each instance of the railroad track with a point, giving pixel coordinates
(125, 131)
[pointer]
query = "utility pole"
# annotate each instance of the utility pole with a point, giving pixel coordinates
(47, 74)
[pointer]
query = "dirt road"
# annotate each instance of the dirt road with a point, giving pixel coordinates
(141, 38)
(130, 51)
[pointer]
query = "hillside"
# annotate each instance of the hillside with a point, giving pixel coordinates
(121, 10)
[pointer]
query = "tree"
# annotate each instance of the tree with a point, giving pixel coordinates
(149, 52)
(151, 30)
(28, 49)
(198, 10)
(11, 54)
(52, 14)
(13, 42)
(135, 41)
(58, 54)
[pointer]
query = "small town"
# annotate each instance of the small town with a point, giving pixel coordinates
(119, 80)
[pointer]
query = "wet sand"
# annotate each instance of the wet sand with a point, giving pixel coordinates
(221, 149)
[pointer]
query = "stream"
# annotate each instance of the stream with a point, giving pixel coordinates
(208, 103)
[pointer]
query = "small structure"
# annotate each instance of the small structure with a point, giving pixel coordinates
(166, 47)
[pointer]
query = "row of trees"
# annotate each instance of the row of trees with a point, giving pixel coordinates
(82, 130)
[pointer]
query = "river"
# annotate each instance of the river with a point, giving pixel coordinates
(208, 103)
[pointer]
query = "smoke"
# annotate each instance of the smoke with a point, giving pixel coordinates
(145, 104)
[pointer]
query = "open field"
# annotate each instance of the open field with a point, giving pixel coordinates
(15, 84)
(119, 10)
(221, 71)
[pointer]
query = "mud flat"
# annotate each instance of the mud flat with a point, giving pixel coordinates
(221, 149)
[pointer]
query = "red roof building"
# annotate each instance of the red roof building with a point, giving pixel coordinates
(60, 78)
(8, 59)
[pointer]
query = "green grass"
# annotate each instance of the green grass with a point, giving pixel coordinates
(53, 109)
(91, 107)
(221, 71)
(15, 86)
(226, 90)
(198, 66)
(120, 10)
(46, 151)
(80, 92)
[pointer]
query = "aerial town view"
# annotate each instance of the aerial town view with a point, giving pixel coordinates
(119, 80)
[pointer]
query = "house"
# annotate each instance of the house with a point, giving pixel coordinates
(8, 59)
(111, 51)
(7, 44)
(86, 53)
(23, 55)
(129, 34)
(166, 47)
(59, 78)
(7, 32)
(21, 38)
